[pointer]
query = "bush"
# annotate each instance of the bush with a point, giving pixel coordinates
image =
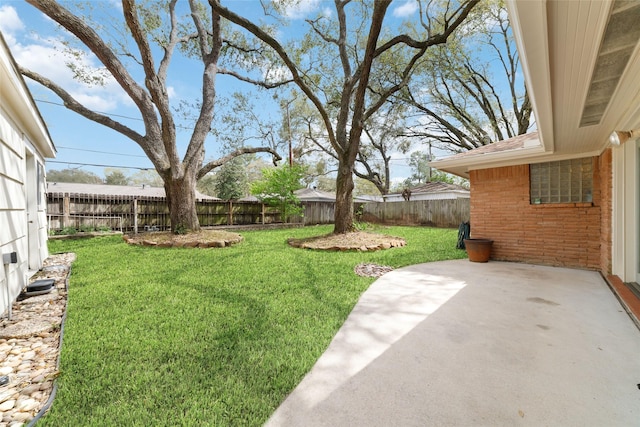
(68, 230)
(277, 189)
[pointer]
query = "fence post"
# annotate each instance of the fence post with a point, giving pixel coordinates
(135, 216)
(230, 216)
(66, 207)
(262, 213)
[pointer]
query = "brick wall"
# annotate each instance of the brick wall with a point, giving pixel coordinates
(568, 234)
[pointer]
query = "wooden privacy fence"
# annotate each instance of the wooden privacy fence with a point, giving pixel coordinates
(435, 213)
(87, 212)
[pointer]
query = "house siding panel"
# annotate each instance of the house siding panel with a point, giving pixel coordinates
(24, 142)
(11, 163)
(568, 234)
(11, 195)
(9, 136)
(14, 227)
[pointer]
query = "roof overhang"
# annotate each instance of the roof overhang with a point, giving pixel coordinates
(578, 57)
(530, 18)
(515, 151)
(15, 97)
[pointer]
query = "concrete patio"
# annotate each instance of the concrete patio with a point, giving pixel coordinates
(456, 343)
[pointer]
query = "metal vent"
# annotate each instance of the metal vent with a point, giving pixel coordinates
(619, 41)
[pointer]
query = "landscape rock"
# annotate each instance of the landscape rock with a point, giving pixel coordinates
(29, 345)
(7, 405)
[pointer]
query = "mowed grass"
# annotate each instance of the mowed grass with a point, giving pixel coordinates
(207, 337)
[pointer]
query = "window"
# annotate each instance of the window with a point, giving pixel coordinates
(566, 181)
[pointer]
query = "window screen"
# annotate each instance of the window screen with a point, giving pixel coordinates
(566, 181)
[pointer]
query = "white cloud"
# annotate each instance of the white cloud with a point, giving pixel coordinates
(298, 9)
(42, 58)
(408, 8)
(116, 5)
(10, 22)
(95, 102)
(49, 57)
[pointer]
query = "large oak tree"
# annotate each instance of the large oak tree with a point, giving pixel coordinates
(156, 32)
(333, 64)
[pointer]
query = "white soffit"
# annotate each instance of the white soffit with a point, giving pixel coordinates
(559, 43)
(594, 70)
(529, 23)
(575, 34)
(624, 110)
(618, 44)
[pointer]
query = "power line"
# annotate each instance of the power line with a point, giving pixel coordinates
(399, 159)
(101, 166)
(139, 119)
(58, 104)
(99, 112)
(102, 152)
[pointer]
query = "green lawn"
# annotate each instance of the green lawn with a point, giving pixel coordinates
(171, 337)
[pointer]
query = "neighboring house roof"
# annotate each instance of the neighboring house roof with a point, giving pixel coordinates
(431, 188)
(113, 190)
(581, 62)
(314, 195)
(438, 187)
(305, 195)
(15, 94)
(365, 198)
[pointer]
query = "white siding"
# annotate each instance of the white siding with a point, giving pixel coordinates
(13, 223)
(24, 143)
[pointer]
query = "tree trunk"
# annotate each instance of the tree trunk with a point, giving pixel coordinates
(343, 222)
(350, 147)
(181, 198)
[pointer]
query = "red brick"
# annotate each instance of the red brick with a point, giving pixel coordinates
(571, 234)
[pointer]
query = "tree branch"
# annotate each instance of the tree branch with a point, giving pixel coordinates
(173, 41)
(260, 83)
(449, 27)
(359, 116)
(195, 150)
(277, 47)
(153, 82)
(92, 40)
(72, 104)
(239, 152)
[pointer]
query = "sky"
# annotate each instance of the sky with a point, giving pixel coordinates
(36, 44)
